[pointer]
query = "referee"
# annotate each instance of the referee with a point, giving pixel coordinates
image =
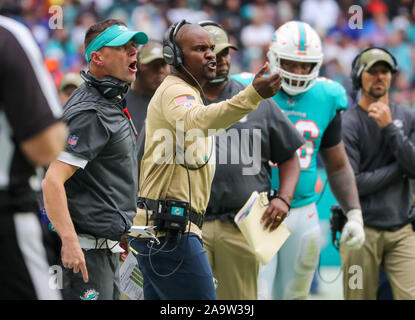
(31, 136)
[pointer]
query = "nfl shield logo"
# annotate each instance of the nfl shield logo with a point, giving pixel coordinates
(73, 140)
(398, 123)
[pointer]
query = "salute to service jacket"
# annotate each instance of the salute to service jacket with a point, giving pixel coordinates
(177, 125)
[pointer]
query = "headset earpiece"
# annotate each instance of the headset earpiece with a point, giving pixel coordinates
(172, 53)
(357, 72)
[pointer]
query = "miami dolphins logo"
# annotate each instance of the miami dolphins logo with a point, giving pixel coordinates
(290, 102)
(90, 294)
(244, 119)
(398, 123)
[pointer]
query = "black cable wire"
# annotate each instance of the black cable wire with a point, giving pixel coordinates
(190, 200)
(197, 82)
(139, 235)
(146, 207)
(319, 260)
(324, 280)
(116, 243)
(106, 244)
(146, 255)
(172, 272)
(213, 144)
(179, 235)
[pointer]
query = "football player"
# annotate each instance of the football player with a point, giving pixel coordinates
(314, 106)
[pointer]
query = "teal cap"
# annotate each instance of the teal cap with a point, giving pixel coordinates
(114, 36)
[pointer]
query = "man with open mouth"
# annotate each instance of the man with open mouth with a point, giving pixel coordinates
(175, 183)
(93, 207)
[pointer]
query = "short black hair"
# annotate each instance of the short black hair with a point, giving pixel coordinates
(94, 30)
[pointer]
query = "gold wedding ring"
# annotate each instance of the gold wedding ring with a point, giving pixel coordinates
(278, 217)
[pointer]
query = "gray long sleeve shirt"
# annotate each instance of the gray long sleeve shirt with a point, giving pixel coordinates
(383, 161)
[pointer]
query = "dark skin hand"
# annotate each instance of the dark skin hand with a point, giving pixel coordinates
(200, 61)
(267, 87)
(289, 169)
(277, 211)
(341, 177)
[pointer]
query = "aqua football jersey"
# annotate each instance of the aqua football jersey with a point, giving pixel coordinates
(311, 112)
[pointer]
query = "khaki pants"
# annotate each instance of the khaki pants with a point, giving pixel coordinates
(395, 251)
(233, 263)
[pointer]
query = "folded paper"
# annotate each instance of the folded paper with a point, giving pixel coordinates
(264, 243)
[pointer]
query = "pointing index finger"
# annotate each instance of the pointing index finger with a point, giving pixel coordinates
(84, 272)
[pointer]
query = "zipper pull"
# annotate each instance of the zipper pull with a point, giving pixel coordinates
(130, 120)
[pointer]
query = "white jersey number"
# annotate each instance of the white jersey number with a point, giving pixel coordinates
(305, 152)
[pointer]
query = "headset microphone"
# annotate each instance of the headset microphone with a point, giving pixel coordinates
(218, 80)
(172, 216)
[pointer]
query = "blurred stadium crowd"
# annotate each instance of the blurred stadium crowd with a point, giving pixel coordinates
(388, 23)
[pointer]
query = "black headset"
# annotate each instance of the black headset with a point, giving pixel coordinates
(172, 53)
(108, 87)
(357, 71)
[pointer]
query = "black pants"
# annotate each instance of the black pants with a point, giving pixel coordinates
(25, 261)
(103, 274)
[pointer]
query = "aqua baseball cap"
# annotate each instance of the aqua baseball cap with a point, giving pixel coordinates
(114, 36)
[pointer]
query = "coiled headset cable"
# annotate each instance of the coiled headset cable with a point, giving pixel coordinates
(319, 260)
(179, 235)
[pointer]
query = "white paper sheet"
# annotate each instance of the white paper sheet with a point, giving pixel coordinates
(131, 278)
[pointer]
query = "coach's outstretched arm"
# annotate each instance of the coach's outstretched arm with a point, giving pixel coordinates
(183, 106)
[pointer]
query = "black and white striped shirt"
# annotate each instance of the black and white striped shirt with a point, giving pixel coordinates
(28, 103)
